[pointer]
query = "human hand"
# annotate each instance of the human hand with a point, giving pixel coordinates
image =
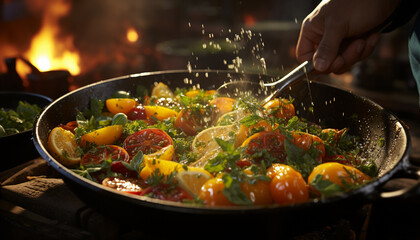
(337, 32)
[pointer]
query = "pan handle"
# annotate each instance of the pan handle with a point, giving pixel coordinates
(404, 185)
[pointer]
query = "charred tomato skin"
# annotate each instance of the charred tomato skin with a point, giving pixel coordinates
(270, 141)
(148, 141)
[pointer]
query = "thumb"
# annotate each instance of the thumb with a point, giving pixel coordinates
(328, 47)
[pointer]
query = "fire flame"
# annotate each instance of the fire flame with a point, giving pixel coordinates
(47, 51)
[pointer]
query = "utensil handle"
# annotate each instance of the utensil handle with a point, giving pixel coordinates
(300, 71)
(303, 70)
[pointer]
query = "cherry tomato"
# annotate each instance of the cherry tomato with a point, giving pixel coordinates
(332, 136)
(191, 121)
(166, 192)
(245, 131)
(259, 193)
(137, 113)
(272, 142)
(306, 140)
(127, 185)
(243, 162)
(280, 108)
(223, 105)
(339, 173)
(147, 140)
(120, 105)
(212, 193)
(287, 185)
(117, 155)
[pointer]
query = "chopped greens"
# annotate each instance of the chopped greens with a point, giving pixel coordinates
(17, 120)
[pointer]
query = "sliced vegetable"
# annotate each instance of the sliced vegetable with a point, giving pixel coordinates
(63, 147)
(103, 136)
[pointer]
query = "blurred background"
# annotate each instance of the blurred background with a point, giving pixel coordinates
(99, 39)
(54, 46)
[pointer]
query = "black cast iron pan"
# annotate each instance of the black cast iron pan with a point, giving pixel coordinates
(332, 107)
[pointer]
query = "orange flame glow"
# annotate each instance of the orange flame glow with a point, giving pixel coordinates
(132, 35)
(47, 51)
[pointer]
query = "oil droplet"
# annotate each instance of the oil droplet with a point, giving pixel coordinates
(189, 67)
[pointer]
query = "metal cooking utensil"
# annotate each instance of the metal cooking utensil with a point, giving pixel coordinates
(243, 87)
(262, 89)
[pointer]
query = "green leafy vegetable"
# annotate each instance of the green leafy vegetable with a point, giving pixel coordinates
(299, 159)
(21, 119)
(119, 119)
(233, 190)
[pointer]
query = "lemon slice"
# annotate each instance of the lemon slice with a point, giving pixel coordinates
(206, 146)
(63, 147)
(193, 179)
(205, 141)
(189, 178)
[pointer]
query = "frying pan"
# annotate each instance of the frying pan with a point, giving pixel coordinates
(385, 139)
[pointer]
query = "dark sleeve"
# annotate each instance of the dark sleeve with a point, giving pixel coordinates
(402, 14)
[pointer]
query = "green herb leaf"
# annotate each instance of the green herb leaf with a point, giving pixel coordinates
(326, 187)
(303, 161)
(119, 119)
(136, 163)
(233, 191)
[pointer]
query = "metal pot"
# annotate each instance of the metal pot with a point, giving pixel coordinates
(332, 107)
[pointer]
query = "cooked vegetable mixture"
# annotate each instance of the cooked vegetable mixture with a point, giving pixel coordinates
(195, 147)
(17, 120)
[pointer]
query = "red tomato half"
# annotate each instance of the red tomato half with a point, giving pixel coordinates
(273, 142)
(115, 153)
(165, 192)
(147, 140)
(99, 154)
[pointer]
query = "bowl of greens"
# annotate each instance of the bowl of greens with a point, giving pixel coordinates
(18, 112)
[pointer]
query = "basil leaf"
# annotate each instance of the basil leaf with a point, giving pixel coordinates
(301, 160)
(136, 163)
(227, 146)
(119, 119)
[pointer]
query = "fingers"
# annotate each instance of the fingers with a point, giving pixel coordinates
(356, 51)
(308, 41)
(328, 47)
